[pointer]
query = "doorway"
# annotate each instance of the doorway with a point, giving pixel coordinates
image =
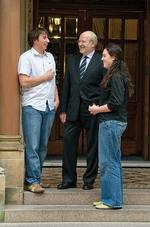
(124, 28)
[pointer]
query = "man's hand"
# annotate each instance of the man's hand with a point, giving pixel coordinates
(49, 75)
(63, 117)
(32, 81)
(56, 100)
(56, 104)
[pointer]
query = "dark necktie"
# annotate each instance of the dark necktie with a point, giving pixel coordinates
(82, 67)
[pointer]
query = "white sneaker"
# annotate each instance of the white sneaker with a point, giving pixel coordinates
(97, 203)
(102, 206)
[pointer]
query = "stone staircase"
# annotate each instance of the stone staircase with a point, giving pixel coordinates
(73, 207)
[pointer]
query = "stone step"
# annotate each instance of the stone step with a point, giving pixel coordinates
(78, 196)
(75, 213)
(77, 224)
(81, 162)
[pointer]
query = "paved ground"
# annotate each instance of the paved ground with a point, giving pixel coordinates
(132, 177)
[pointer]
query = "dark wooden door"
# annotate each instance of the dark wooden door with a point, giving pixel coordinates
(63, 27)
(125, 28)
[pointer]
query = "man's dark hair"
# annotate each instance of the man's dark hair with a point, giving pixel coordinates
(34, 35)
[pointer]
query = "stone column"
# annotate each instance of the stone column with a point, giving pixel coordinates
(11, 150)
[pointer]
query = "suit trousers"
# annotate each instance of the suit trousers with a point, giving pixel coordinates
(72, 130)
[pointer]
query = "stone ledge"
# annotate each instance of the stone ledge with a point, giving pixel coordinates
(56, 163)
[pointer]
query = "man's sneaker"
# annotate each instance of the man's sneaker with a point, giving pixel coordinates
(45, 185)
(35, 188)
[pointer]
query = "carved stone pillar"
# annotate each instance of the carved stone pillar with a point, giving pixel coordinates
(11, 150)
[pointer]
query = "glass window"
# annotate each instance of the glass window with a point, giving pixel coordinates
(131, 58)
(54, 27)
(54, 47)
(131, 27)
(114, 28)
(100, 46)
(71, 25)
(71, 48)
(41, 22)
(98, 27)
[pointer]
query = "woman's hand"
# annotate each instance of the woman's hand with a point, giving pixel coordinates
(94, 109)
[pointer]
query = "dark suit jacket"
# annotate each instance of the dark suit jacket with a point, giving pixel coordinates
(86, 89)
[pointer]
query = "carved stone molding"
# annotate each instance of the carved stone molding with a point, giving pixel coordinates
(11, 143)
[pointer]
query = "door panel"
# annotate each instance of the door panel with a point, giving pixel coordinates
(132, 142)
(63, 31)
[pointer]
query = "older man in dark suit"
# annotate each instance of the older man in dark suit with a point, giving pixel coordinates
(81, 89)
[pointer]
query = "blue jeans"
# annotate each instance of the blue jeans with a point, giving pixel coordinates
(36, 130)
(110, 133)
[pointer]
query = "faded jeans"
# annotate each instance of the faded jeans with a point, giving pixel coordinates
(36, 130)
(110, 133)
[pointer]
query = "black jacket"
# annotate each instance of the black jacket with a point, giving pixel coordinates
(115, 95)
(86, 89)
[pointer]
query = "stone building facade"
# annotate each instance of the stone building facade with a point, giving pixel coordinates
(16, 18)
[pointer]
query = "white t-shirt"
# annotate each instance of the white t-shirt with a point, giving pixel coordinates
(31, 63)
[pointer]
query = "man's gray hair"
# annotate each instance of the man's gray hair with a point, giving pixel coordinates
(93, 37)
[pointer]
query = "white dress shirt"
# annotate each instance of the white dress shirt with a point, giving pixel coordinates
(89, 56)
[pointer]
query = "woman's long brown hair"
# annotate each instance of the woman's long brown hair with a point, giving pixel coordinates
(118, 67)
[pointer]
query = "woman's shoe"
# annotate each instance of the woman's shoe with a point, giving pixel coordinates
(97, 203)
(102, 206)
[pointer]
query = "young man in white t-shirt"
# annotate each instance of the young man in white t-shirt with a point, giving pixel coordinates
(37, 70)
